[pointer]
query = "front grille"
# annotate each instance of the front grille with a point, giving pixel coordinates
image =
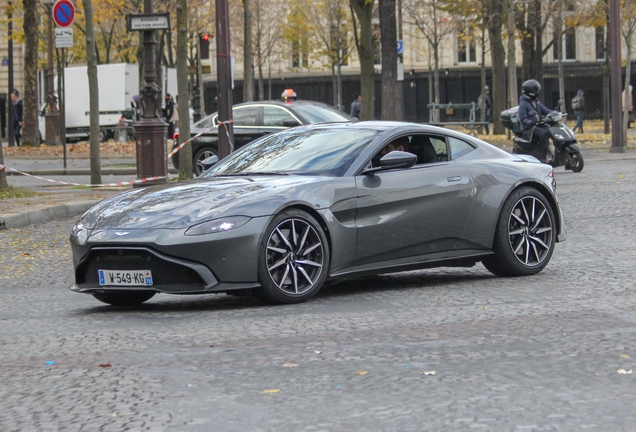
(164, 271)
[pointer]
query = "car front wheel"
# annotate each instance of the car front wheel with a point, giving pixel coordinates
(293, 259)
(525, 235)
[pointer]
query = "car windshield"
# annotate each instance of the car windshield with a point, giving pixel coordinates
(312, 152)
(321, 114)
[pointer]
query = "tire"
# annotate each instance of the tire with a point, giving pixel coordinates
(124, 298)
(201, 155)
(103, 135)
(574, 161)
(293, 259)
(525, 235)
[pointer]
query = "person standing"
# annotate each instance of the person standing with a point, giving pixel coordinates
(356, 105)
(629, 107)
(578, 105)
(485, 102)
(17, 116)
(168, 113)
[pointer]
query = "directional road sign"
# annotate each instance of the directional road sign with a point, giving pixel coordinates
(63, 13)
(63, 37)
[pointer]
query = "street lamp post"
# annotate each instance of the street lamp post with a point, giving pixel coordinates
(52, 117)
(618, 142)
(151, 131)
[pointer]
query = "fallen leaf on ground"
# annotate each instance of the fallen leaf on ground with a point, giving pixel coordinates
(428, 373)
(362, 373)
(290, 365)
(624, 356)
(624, 372)
(271, 391)
(317, 352)
(106, 365)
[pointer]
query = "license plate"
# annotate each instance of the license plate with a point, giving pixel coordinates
(125, 277)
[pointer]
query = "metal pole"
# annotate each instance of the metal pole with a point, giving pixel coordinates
(618, 142)
(63, 104)
(151, 131)
(224, 78)
(52, 117)
(10, 134)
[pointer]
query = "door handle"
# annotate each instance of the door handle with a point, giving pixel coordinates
(454, 178)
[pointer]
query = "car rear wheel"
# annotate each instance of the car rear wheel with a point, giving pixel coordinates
(525, 235)
(124, 298)
(201, 155)
(293, 259)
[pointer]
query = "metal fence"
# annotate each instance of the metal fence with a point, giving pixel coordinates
(457, 85)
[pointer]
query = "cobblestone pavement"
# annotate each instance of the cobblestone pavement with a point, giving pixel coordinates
(446, 349)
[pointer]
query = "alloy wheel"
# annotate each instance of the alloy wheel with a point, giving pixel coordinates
(530, 231)
(295, 256)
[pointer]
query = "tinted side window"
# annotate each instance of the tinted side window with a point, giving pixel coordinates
(274, 116)
(459, 148)
(245, 116)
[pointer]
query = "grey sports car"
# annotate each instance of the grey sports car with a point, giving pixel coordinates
(285, 213)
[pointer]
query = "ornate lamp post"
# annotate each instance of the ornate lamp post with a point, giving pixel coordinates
(150, 131)
(52, 117)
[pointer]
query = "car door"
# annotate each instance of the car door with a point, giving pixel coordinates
(412, 212)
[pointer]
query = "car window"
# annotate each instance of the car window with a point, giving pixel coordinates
(205, 123)
(459, 148)
(275, 116)
(314, 113)
(317, 152)
(245, 116)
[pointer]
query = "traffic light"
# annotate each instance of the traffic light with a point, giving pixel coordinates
(204, 45)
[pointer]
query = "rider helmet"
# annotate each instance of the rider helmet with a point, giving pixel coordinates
(531, 88)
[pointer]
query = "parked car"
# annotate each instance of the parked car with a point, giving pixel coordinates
(285, 213)
(253, 120)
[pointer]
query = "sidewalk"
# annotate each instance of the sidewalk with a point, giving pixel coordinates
(58, 201)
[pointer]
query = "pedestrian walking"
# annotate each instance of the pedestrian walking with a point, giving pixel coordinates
(17, 116)
(629, 107)
(168, 114)
(356, 105)
(485, 102)
(578, 106)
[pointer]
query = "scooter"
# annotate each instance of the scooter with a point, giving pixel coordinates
(566, 152)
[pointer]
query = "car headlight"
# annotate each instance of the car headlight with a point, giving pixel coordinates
(217, 225)
(80, 233)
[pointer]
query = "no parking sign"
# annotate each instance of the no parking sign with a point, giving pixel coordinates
(63, 13)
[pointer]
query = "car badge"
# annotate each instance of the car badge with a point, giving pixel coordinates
(121, 233)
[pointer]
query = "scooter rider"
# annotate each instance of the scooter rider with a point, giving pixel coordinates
(531, 110)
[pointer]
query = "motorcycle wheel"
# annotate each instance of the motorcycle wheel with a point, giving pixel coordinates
(574, 161)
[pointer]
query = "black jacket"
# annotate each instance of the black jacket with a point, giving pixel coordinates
(529, 122)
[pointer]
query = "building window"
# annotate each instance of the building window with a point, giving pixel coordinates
(300, 53)
(600, 43)
(568, 44)
(466, 51)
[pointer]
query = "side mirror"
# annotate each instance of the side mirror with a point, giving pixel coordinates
(394, 159)
(209, 162)
(290, 123)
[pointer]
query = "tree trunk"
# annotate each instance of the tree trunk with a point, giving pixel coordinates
(93, 93)
(497, 53)
(248, 75)
(364, 11)
(512, 56)
(628, 94)
(388, 38)
(185, 158)
(30, 131)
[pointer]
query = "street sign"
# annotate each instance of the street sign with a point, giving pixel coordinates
(64, 37)
(400, 47)
(139, 22)
(63, 13)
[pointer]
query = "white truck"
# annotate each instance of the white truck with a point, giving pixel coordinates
(118, 83)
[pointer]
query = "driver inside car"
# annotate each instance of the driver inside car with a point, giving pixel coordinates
(399, 144)
(531, 110)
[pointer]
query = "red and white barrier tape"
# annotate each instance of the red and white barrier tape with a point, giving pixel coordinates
(124, 183)
(180, 146)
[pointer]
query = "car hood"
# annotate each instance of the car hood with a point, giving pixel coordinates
(181, 205)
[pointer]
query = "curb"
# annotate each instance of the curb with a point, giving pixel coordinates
(60, 211)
